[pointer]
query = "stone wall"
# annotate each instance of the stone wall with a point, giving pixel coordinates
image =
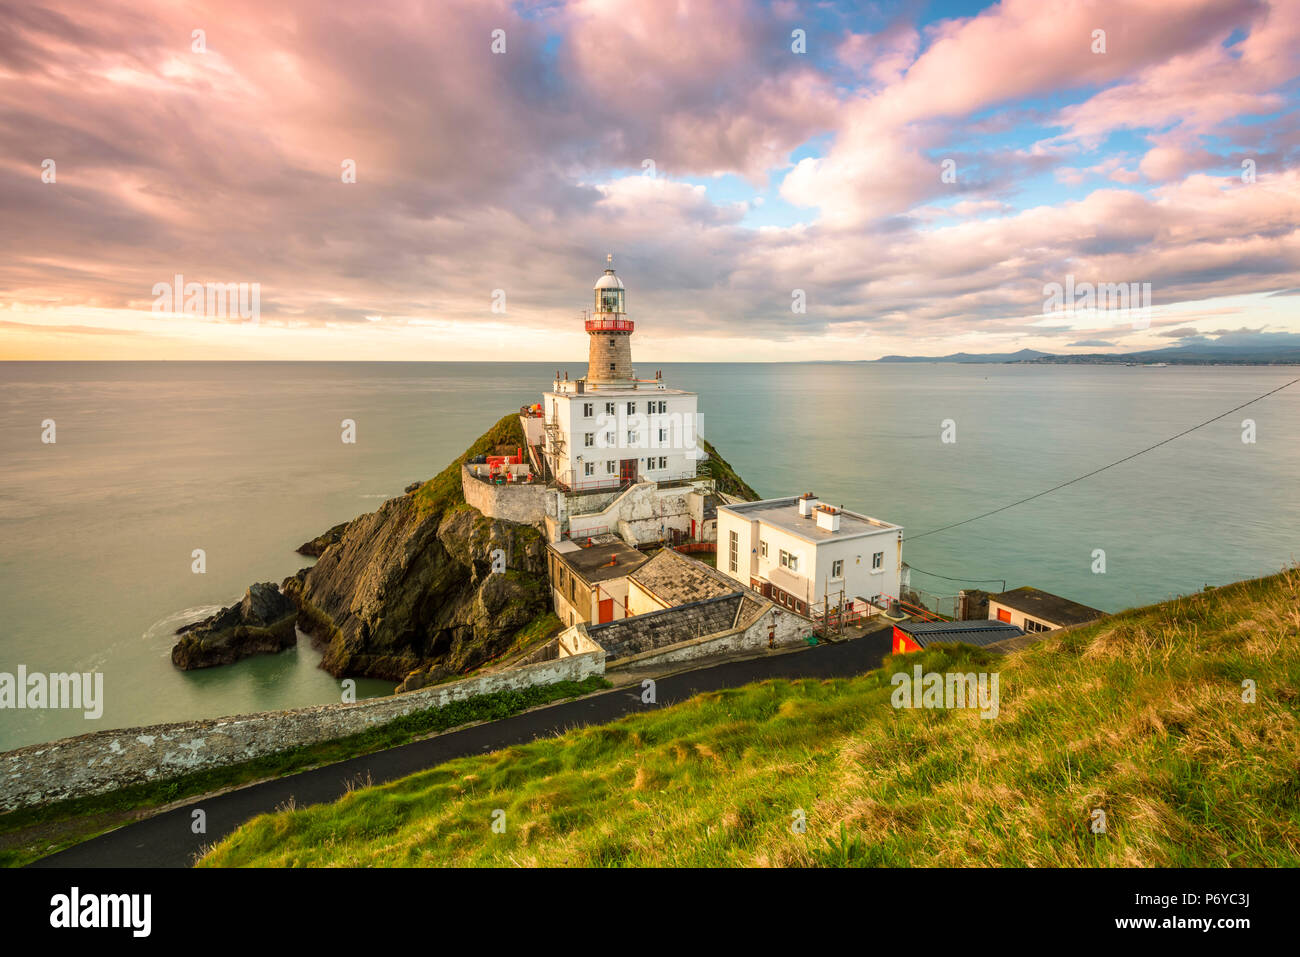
(107, 760)
(774, 627)
(523, 504)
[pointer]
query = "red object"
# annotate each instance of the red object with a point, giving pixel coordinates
(1004, 614)
(606, 610)
(902, 643)
(609, 325)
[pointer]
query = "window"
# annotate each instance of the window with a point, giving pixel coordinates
(631, 408)
(789, 561)
(1031, 625)
(734, 553)
(663, 435)
(609, 440)
(762, 548)
(650, 463)
(609, 467)
(837, 568)
(589, 439)
(609, 408)
(588, 409)
(663, 406)
(878, 560)
(589, 468)
(631, 438)
(612, 367)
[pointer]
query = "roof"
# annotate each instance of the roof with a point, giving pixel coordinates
(608, 281)
(675, 579)
(979, 632)
(592, 564)
(783, 513)
(1050, 608)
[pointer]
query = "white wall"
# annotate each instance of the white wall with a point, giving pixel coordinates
(570, 413)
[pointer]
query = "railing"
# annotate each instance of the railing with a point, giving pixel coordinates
(610, 325)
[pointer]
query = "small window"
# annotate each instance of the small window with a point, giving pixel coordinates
(631, 438)
(1031, 625)
(837, 568)
(589, 468)
(589, 439)
(631, 408)
(663, 461)
(588, 409)
(878, 560)
(663, 435)
(609, 439)
(733, 557)
(609, 467)
(609, 408)
(612, 367)
(762, 548)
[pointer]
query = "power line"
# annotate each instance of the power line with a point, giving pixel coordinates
(1126, 458)
(978, 581)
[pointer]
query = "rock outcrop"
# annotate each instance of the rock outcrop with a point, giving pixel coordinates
(263, 623)
(317, 545)
(412, 586)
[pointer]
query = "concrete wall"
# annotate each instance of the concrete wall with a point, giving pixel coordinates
(643, 513)
(106, 760)
(524, 504)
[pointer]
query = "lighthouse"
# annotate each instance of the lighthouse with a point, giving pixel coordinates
(609, 357)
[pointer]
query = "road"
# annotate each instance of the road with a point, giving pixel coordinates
(166, 840)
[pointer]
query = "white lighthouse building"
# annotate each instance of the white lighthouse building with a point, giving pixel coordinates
(611, 429)
(620, 454)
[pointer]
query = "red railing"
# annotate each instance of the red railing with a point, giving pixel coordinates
(609, 325)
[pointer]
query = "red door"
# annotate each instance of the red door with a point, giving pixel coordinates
(692, 529)
(1004, 614)
(606, 610)
(627, 470)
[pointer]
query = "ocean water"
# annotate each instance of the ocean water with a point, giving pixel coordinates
(245, 460)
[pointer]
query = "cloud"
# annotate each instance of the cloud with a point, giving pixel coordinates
(1094, 343)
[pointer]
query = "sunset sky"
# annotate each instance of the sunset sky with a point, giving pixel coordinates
(221, 159)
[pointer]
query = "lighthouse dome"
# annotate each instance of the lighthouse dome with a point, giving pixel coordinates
(609, 291)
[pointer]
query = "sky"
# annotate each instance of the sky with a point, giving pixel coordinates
(779, 181)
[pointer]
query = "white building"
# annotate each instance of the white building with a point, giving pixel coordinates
(619, 453)
(808, 556)
(611, 429)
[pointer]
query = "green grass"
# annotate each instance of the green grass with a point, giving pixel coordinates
(29, 834)
(443, 491)
(1140, 715)
(725, 476)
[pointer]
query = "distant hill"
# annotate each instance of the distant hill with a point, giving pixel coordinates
(1024, 355)
(1200, 353)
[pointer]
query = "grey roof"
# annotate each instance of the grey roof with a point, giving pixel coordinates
(592, 564)
(1052, 609)
(676, 579)
(979, 632)
(783, 513)
(667, 626)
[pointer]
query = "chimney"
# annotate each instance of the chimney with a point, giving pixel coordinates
(828, 518)
(807, 502)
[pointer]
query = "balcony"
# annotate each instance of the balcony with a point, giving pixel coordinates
(610, 325)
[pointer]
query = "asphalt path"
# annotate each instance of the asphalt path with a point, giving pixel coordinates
(166, 839)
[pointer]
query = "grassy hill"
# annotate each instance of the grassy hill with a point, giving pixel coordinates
(1140, 715)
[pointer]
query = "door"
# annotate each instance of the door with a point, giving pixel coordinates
(1004, 614)
(606, 610)
(627, 470)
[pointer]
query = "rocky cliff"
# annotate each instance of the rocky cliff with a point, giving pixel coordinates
(411, 587)
(263, 623)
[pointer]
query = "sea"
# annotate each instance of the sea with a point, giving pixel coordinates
(152, 461)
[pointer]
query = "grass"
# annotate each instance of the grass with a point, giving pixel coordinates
(725, 476)
(443, 491)
(1140, 715)
(32, 833)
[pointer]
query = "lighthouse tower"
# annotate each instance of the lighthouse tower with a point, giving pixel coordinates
(609, 358)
